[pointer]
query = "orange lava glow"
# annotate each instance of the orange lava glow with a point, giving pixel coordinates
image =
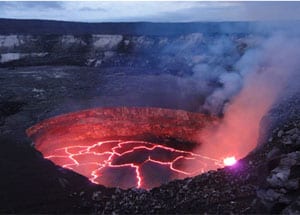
(102, 145)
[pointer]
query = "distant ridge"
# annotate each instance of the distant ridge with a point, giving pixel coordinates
(17, 26)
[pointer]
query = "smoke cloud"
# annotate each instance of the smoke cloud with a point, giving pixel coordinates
(263, 75)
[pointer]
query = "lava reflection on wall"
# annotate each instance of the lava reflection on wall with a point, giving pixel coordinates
(125, 147)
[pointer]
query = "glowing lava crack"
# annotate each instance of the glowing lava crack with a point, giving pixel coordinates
(135, 157)
(125, 147)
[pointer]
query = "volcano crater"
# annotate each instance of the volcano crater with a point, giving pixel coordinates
(126, 146)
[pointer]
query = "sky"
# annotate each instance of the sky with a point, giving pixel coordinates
(155, 11)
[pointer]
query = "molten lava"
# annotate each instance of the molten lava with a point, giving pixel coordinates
(125, 147)
(229, 161)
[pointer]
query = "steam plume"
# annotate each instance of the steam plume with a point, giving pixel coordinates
(265, 72)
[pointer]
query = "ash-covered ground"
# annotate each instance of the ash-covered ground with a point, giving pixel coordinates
(194, 71)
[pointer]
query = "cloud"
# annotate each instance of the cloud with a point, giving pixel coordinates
(97, 9)
(151, 11)
(233, 11)
(270, 10)
(31, 5)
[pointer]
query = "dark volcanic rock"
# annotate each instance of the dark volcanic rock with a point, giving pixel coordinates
(281, 188)
(10, 107)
